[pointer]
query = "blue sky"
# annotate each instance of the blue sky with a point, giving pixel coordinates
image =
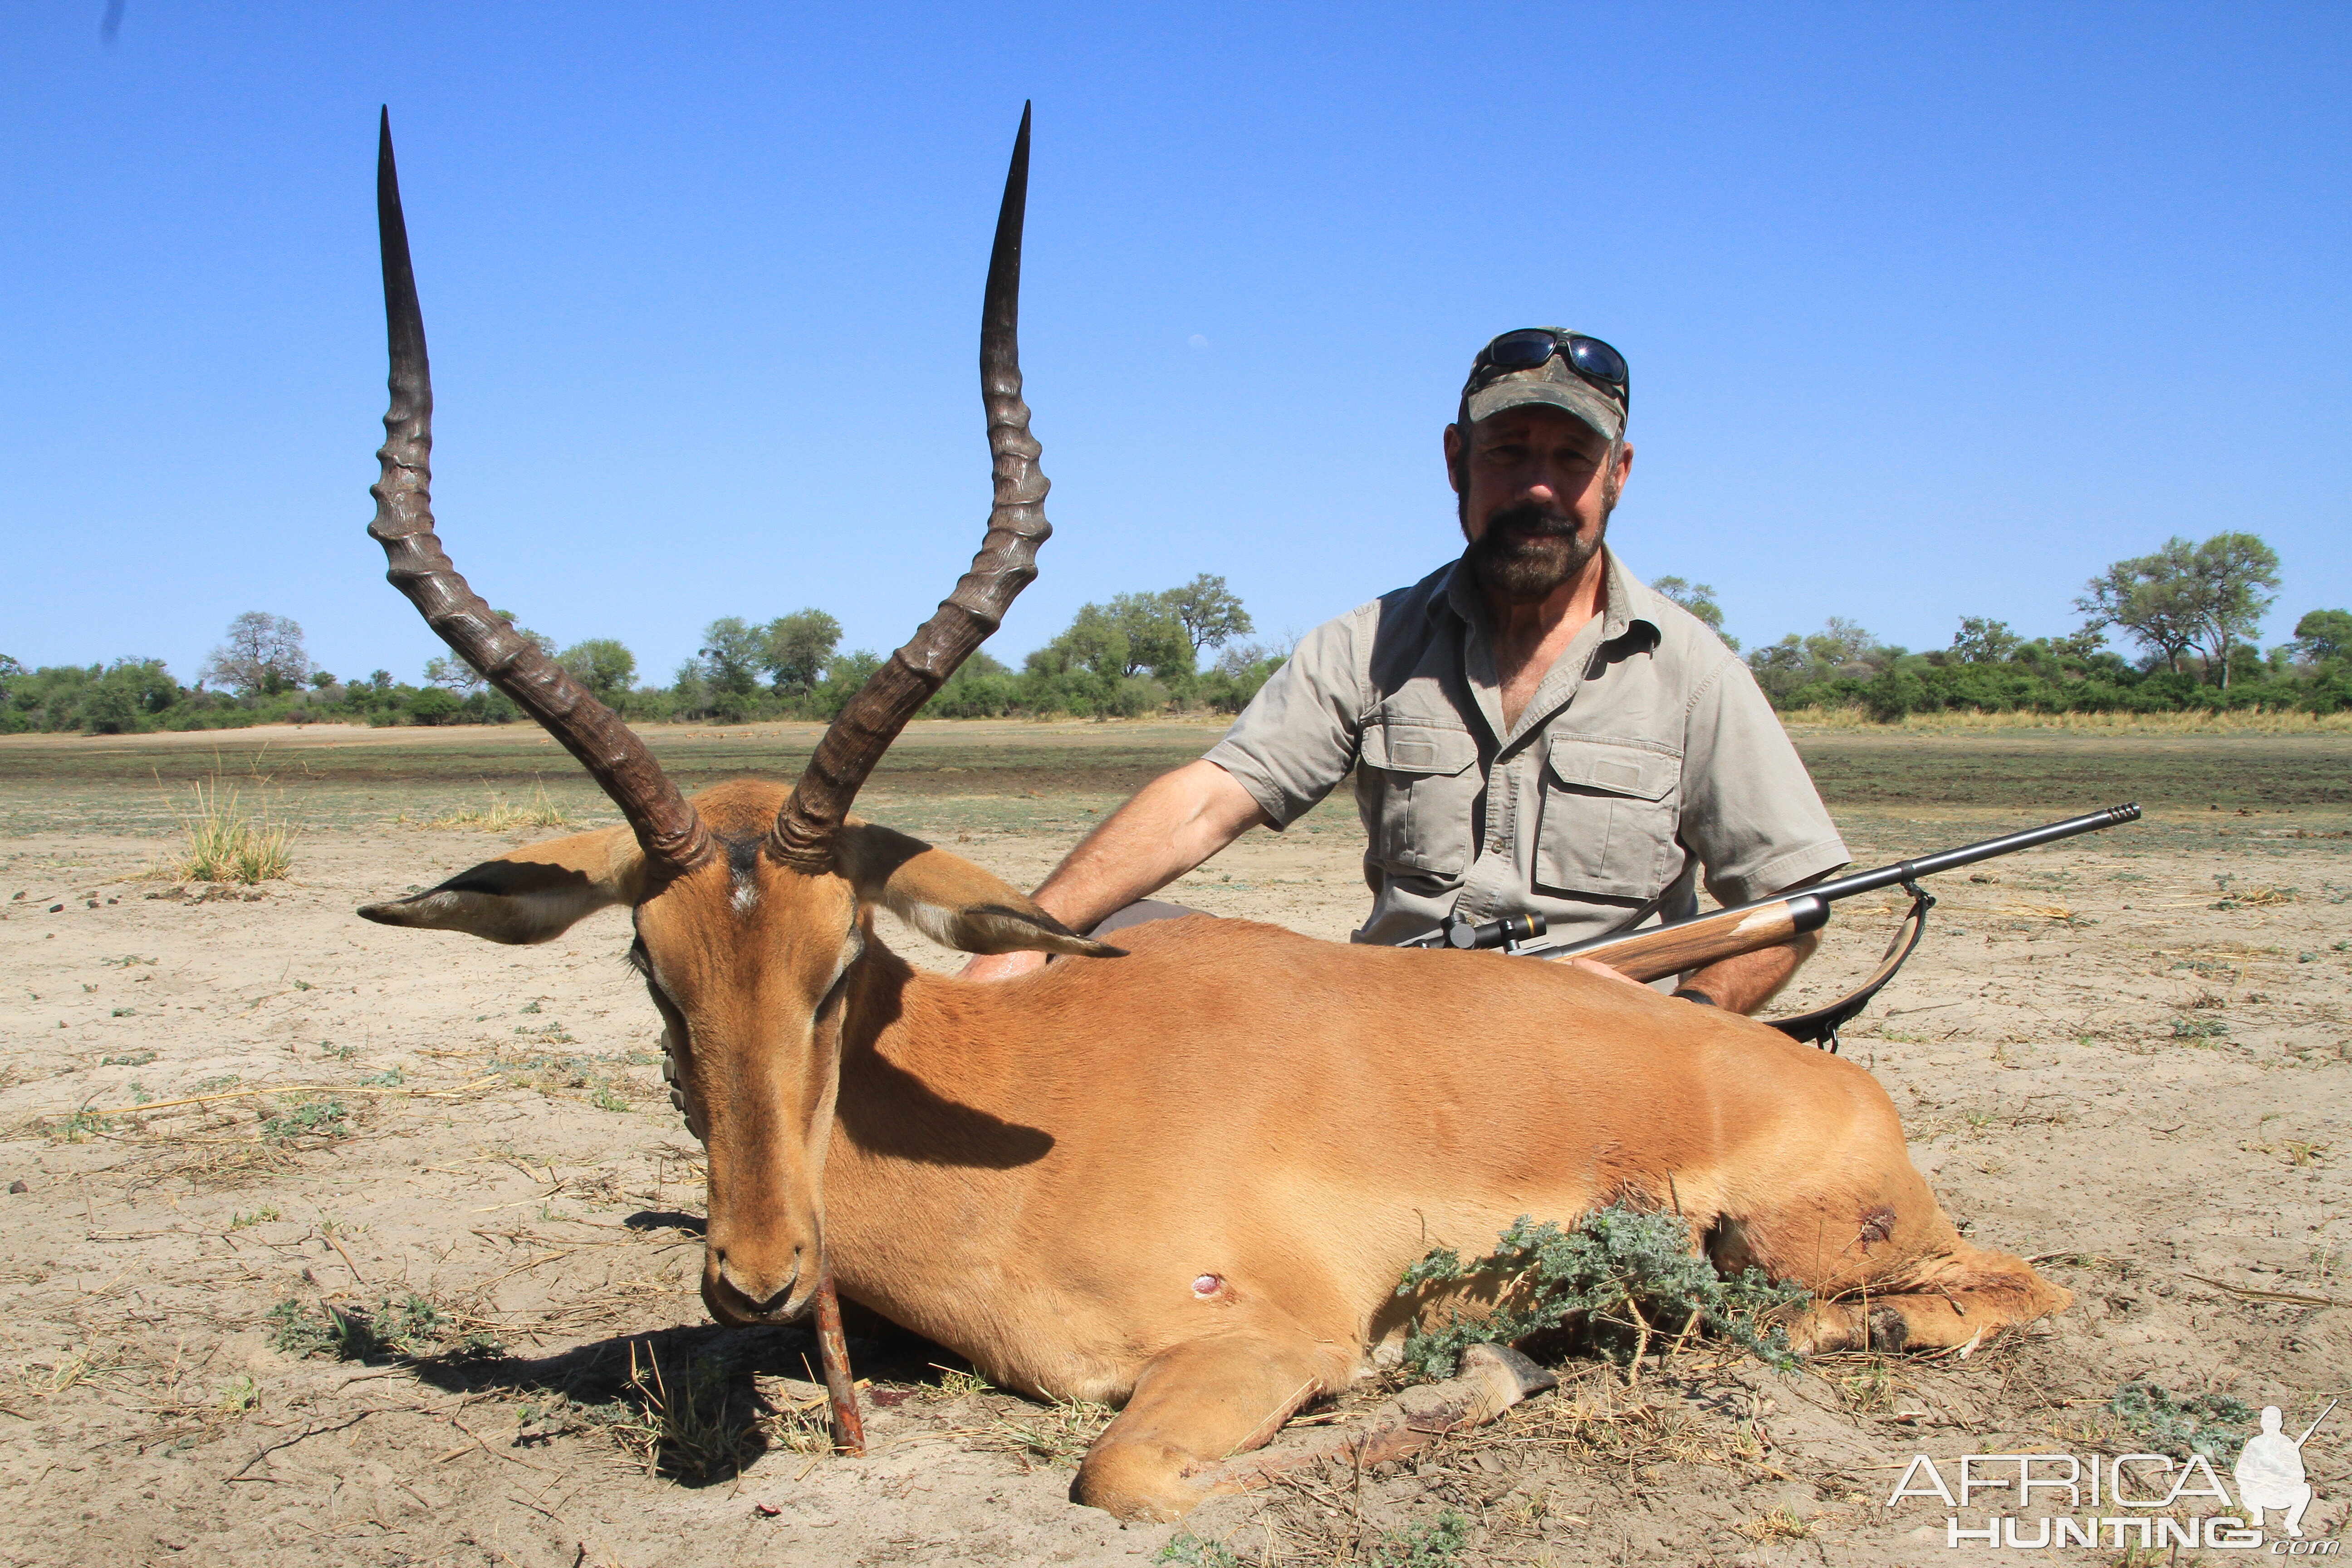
(1932, 310)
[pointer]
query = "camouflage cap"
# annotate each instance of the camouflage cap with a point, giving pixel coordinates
(1493, 388)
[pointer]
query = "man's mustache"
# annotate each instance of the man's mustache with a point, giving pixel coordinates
(1533, 518)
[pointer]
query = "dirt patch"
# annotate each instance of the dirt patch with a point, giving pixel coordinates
(340, 1245)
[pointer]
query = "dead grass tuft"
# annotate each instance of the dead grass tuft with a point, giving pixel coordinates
(1619, 1426)
(501, 816)
(1060, 1434)
(1779, 1524)
(224, 840)
(684, 1424)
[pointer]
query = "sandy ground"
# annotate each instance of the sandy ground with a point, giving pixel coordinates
(2097, 1065)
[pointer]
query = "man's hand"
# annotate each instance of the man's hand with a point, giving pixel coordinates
(1594, 966)
(1001, 965)
(1171, 825)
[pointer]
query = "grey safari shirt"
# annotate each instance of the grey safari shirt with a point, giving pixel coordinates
(1646, 757)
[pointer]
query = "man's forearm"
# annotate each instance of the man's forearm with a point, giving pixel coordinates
(1745, 983)
(1170, 826)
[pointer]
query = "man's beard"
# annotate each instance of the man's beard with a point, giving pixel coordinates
(1529, 551)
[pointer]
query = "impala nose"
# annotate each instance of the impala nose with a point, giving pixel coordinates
(753, 1291)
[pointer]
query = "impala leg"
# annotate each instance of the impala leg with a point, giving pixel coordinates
(1193, 1404)
(1970, 1292)
(1887, 1268)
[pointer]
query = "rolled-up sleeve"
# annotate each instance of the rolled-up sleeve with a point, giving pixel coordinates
(1298, 737)
(1750, 813)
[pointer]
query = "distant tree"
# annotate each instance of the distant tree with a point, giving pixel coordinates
(322, 678)
(262, 657)
(2232, 571)
(1242, 658)
(1698, 598)
(2321, 634)
(733, 652)
(436, 705)
(1209, 613)
(604, 665)
(2080, 644)
(1094, 640)
(1839, 642)
(1780, 668)
(453, 675)
(381, 679)
(2186, 597)
(1983, 641)
(799, 647)
(1157, 638)
(2156, 598)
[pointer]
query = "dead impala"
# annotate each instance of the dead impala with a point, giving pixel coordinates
(1185, 1179)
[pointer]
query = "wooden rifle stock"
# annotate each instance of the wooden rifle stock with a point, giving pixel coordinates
(1661, 950)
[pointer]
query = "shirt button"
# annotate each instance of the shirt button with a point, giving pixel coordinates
(1494, 846)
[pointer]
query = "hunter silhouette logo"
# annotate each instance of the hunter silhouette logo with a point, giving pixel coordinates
(2132, 1500)
(2270, 1471)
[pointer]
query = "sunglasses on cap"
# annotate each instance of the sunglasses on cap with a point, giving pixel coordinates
(1531, 347)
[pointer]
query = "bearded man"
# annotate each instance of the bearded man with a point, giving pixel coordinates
(1531, 729)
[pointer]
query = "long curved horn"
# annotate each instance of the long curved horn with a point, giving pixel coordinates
(665, 824)
(1007, 563)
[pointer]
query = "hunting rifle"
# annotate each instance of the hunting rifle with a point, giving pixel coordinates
(1678, 945)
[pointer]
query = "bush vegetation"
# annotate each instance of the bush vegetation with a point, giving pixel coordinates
(1140, 654)
(2187, 614)
(2190, 611)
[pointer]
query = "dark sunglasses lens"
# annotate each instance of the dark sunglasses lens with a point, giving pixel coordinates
(1597, 359)
(1522, 350)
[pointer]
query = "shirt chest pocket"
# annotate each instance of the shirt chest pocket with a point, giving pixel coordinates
(1609, 814)
(1417, 788)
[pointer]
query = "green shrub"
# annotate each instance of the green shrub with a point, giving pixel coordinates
(1629, 1273)
(2179, 1426)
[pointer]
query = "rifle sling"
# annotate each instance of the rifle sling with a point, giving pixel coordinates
(1821, 1025)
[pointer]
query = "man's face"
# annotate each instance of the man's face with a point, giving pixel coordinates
(1537, 488)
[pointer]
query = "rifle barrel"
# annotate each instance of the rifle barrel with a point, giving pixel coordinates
(1970, 854)
(1810, 906)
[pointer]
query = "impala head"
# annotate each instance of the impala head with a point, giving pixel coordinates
(752, 905)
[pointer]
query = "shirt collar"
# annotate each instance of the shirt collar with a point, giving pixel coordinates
(1625, 605)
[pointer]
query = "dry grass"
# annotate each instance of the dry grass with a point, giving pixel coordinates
(1779, 1524)
(1626, 1429)
(2252, 721)
(224, 840)
(680, 1424)
(501, 816)
(1866, 1384)
(1060, 1434)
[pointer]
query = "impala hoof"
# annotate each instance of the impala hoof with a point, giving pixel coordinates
(1526, 1379)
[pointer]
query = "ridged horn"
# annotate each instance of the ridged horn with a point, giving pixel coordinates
(665, 824)
(1007, 563)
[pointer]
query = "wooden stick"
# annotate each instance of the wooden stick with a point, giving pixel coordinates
(840, 1387)
(2292, 1298)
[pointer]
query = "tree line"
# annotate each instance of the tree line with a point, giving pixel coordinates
(1138, 654)
(2187, 614)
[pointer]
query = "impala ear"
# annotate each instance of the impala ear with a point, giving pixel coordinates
(532, 894)
(949, 899)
